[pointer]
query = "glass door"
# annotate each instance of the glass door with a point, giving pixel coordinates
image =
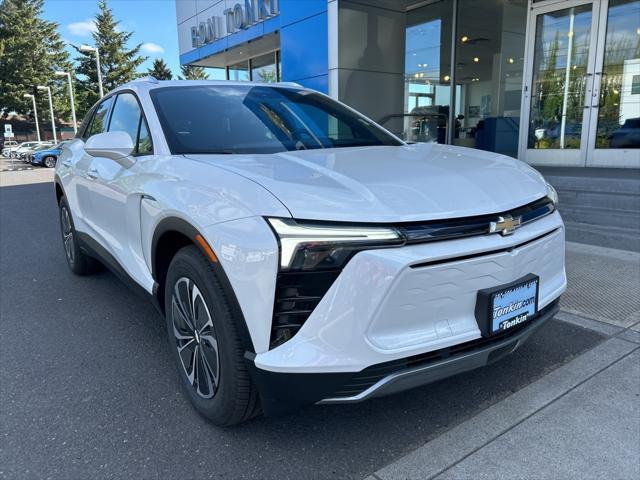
(614, 137)
(580, 103)
(561, 48)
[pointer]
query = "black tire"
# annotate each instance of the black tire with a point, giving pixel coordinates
(49, 162)
(233, 399)
(79, 262)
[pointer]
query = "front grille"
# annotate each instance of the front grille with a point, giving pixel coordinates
(373, 374)
(297, 295)
(469, 226)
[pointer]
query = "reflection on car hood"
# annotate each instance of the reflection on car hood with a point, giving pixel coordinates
(389, 184)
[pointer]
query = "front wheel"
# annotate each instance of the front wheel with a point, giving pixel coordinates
(49, 162)
(205, 343)
(79, 262)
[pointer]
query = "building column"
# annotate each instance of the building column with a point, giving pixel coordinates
(366, 55)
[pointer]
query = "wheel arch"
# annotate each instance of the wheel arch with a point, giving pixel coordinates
(59, 189)
(174, 233)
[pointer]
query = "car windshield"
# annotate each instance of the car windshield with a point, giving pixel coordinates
(259, 119)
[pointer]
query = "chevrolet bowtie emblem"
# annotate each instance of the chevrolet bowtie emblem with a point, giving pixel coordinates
(505, 225)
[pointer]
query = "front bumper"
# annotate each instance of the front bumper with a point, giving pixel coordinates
(284, 392)
(394, 303)
(389, 308)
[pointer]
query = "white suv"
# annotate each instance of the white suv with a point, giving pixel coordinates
(299, 252)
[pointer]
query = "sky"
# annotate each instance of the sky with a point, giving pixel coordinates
(153, 23)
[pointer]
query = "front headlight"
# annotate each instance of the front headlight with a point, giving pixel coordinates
(552, 194)
(311, 246)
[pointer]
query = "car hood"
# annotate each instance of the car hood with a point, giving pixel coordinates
(385, 184)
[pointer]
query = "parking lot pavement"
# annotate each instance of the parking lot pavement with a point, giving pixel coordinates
(17, 172)
(88, 388)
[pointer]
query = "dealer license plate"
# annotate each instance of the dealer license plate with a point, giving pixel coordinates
(514, 305)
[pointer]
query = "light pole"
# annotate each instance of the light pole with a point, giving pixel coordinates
(53, 122)
(89, 49)
(35, 112)
(73, 108)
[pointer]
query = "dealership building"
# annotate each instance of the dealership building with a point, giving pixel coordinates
(555, 83)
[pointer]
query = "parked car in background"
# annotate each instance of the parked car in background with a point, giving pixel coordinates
(26, 153)
(8, 146)
(299, 252)
(23, 147)
(627, 136)
(47, 156)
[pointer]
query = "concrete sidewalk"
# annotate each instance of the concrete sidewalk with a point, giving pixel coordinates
(580, 421)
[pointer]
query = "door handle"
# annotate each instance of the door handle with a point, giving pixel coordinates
(66, 163)
(92, 173)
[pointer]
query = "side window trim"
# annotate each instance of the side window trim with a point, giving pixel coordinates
(113, 98)
(85, 127)
(137, 150)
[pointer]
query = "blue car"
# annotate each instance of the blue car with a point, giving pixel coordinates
(47, 157)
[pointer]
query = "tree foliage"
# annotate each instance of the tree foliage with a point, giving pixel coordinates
(118, 63)
(31, 50)
(160, 70)
(192, 72)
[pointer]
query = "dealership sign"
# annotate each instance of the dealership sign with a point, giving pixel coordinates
(242, 15)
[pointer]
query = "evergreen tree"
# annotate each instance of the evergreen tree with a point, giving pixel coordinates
(192, 72)
(160, 70)
(118, 64)
(31, 50)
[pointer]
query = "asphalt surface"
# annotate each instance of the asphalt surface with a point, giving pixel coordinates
(88, 390)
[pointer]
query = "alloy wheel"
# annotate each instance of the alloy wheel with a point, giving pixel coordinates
(67, 235)
(49, 162)
(195, 338)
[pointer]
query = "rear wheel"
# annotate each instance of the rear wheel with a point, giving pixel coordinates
(49, 162)
(205, 343)
(79, 262)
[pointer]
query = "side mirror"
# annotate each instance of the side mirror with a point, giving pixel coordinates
(113, 145)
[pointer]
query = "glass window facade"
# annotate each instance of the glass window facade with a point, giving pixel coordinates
(239, 72)
(562, 43)
(487, 74)
(548, 81)
(619, 106)
(263, 68)
(428, 72)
